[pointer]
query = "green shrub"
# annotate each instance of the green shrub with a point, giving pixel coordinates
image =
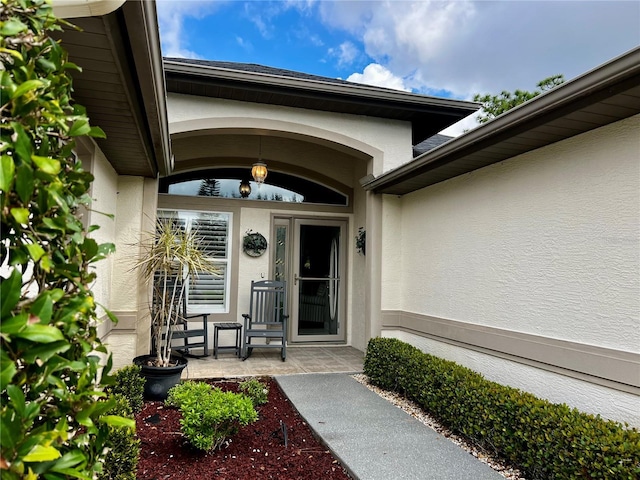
(185, 392)
(128, 382)
(257, 391)
(51, 425)
(209, 415)
(545, 440)
(123, 447)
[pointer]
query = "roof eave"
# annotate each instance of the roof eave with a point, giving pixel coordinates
(563, 99)
(145, 46)
(354, 89)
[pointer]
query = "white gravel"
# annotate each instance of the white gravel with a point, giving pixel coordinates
(415, 411)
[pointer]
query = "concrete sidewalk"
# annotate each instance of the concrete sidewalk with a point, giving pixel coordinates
(372, 438)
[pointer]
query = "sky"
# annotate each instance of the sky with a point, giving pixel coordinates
(450, 49)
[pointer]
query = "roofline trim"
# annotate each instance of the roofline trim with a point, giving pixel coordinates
(85, 8)
(597, 79)
(147, 41)
(355, 89)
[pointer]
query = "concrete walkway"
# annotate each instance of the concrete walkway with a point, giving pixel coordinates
(373, 439)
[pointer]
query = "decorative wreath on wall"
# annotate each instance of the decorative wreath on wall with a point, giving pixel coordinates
(254, 244)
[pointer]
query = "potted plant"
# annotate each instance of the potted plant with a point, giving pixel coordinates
(169, 260)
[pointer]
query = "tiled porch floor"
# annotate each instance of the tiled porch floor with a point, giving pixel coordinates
(300, 359)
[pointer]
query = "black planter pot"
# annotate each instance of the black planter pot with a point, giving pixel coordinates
(158, 380)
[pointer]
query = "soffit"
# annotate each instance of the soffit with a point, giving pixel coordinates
(605, 95)
(121, 88)
(427, 115)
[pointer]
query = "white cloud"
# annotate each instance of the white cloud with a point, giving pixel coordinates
(171, 15)
(379, 76)
(346, 53)
(246, 44)
(468, 47)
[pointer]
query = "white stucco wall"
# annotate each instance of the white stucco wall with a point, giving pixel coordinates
(545, 243)
(103, 203)
(251, 268)
(126, 291)
(368, 134)
(129, 223)
(392, 256)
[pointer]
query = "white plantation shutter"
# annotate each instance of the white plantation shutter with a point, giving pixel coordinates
(208, 293)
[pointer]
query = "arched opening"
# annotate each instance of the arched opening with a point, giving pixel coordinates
(232, 182)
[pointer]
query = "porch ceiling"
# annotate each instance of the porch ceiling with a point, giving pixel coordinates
(254, 83)
(122, 86)
(604, 95)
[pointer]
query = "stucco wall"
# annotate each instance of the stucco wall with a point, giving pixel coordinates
(136, 200)
(392, 256)
(546, 243)
(368, 134)
(103, 203)
(129, 226)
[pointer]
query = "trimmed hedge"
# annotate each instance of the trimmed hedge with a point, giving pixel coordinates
(543, 439)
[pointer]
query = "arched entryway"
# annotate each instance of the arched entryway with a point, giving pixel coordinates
(309, 229)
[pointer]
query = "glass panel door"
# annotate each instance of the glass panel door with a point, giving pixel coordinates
(318, 281)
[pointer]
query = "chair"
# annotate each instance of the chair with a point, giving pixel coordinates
(267, 317)
(181, 330)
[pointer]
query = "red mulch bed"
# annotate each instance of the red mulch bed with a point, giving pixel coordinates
(256, 452)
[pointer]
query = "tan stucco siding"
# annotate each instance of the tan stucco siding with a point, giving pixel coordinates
(103, 194)
(543, 248)
(545, 243)
(369, 135)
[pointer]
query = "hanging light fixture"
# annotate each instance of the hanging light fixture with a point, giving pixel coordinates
(259, 169)
(245, 188)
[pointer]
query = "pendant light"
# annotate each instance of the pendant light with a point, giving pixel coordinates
(259, 169)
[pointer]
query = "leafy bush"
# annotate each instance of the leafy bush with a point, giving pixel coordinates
(257, 391)
(123, 447)
(209, 415)
(50, 421)
(545, 440)
(185, 392)
(128, 382)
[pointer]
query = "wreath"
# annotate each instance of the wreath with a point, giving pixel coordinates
(254, 244)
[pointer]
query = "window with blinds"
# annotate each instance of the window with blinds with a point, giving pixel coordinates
(207, 293)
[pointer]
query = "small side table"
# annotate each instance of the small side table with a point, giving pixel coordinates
(227, 326)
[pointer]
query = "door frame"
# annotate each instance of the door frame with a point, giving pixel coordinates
(292, 269)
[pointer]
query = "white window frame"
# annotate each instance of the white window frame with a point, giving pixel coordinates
(188, 215)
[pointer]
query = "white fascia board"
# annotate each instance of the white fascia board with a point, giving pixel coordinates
(85, 8)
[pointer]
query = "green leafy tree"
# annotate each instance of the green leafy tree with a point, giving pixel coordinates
(52, 402)
(494, 105)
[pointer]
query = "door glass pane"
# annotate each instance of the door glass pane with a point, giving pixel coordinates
(319, 280)
(280, 253)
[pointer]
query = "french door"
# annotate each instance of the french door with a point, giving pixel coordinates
(316, 277)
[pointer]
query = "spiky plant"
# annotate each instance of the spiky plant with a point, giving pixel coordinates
(170, 258)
